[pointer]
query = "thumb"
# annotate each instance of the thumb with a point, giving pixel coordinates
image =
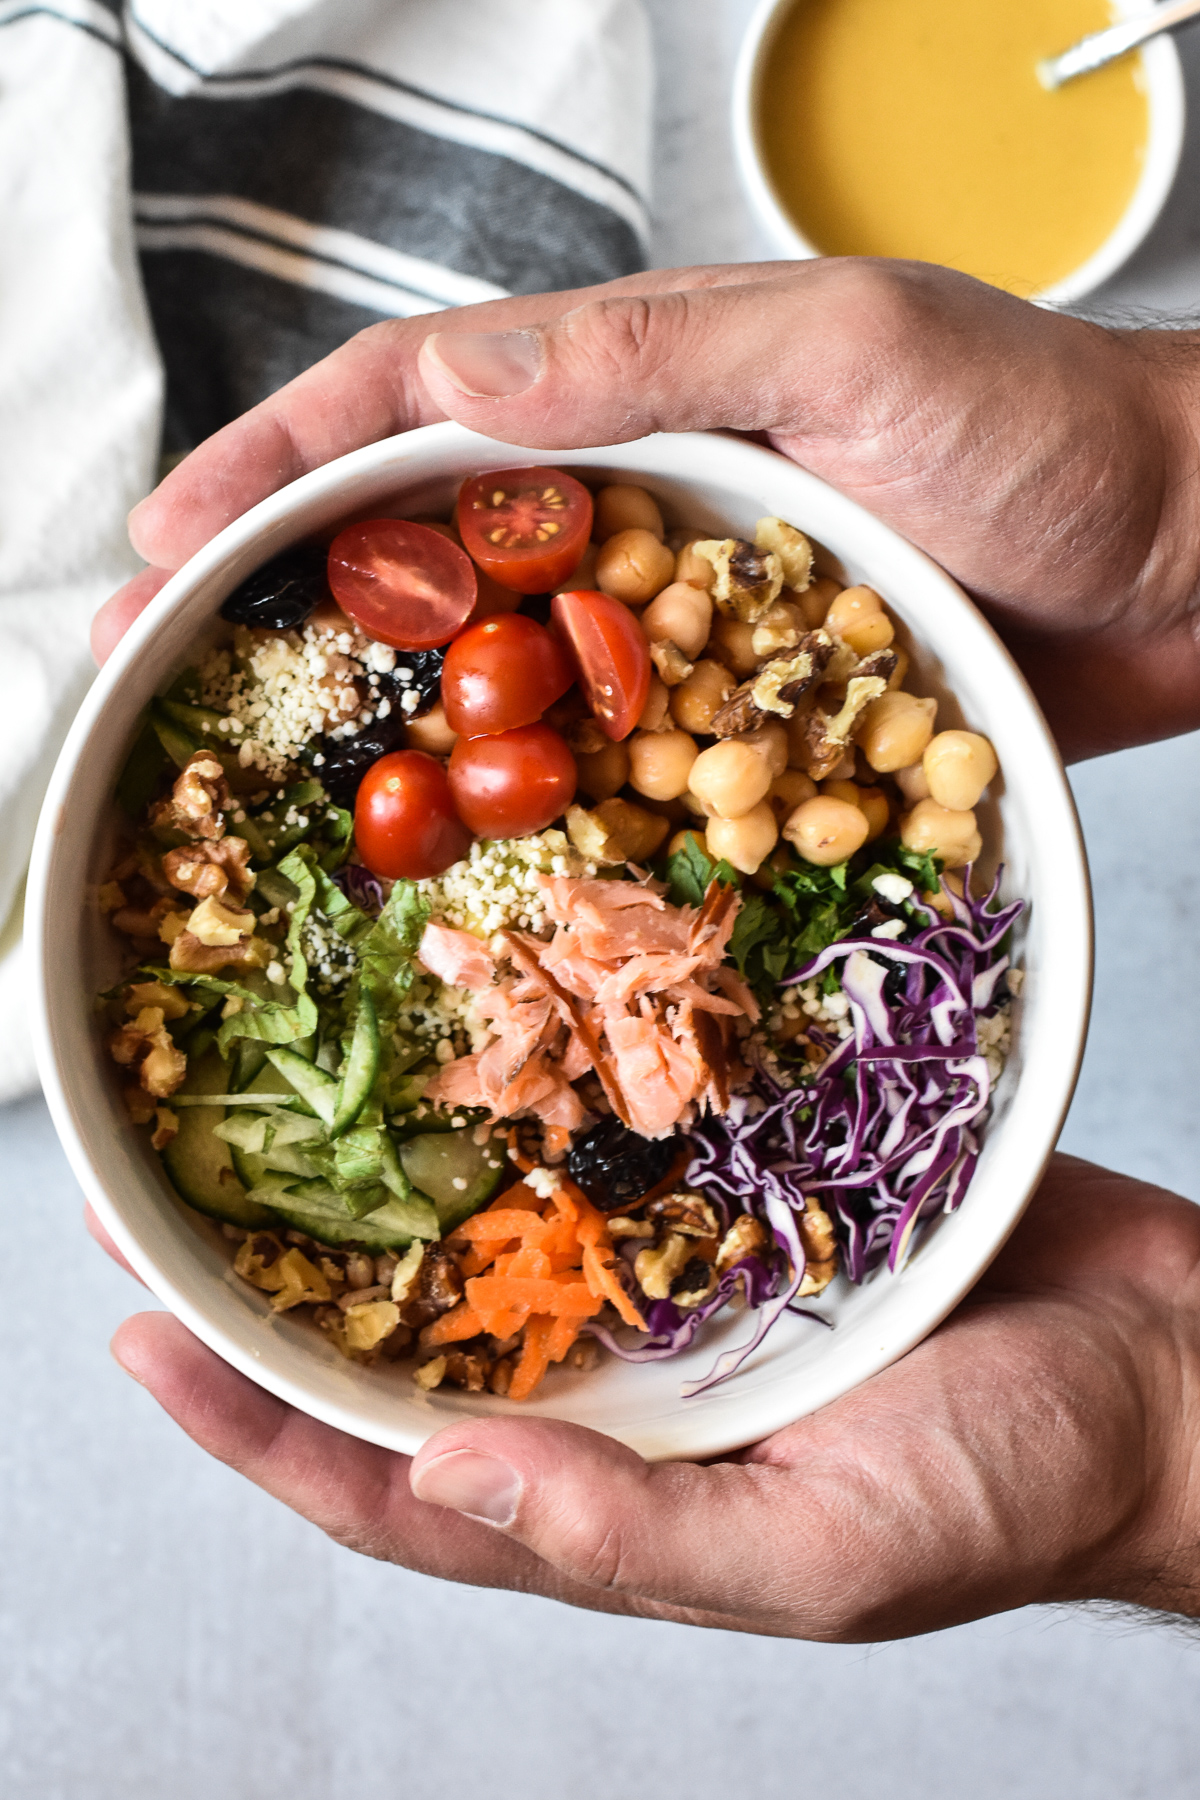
(829, 347)
(677, 1534)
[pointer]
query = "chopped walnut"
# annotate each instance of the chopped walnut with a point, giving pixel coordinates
(672, 665)
(820, 1249)
(693, 1287)
(166, 1127)
(747, 1236)
(656, 1269)
(467, 1369)
(685, 1212)
(190, 955)
(630, 1228)
(779, 629)
(406, 1272)
(431, 1374)
(141, 921)
(287, 1275)
(146, 1045)
(585, 738)
(746, 580)
(438, 1287)
(211, 867)
(368, 1322)
(616, 831)
(198, 799)
(791, 547)
(773, 691)
(827, 736)
(170, 1002)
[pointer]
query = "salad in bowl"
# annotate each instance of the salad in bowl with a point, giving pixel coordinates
(552, 926)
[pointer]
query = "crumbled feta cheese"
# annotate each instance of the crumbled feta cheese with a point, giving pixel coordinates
(891, 928)
(1016, 981)
(496, 886)
(543, 1182)
(275, 973)
(892, 887)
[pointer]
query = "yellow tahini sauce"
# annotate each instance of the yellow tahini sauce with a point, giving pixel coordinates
(919, 128)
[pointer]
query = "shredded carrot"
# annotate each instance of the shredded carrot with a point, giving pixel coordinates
(565, 1332)
(454, 1326)
(534, 1359)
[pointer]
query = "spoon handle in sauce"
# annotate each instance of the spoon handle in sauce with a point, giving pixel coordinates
(1103, 46)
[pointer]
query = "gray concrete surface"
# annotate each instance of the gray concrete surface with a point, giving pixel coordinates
(168, 1633)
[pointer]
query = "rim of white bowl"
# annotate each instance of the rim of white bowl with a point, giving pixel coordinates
(728, 1418)
(1167, 105)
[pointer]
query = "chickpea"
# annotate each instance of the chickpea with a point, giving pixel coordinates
(625, 508)
(939, 901)
(682, 839)
(681, 613)
(958, 766)
(912, 783)
(692, 568)
(943, 831)
(696, 701)
(895, 731)
(603, 773)
(729, 779)
(733, 644)
(788, 791)
(903, 659)
(796, 728)
(582, 576)
(817, 599)
(871, 801)
(431, 733)
(771, 741)
(654, 713)
(858, 618)
(745, 842)
(633, 566)
(660, 763)
(826, 831)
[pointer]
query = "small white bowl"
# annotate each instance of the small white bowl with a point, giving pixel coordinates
(716, 483)
(1165, 95)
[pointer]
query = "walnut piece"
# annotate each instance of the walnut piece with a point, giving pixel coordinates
(211, 867)
(657, 1268)
(820, 1249)
(287, 1275)
(145, 1045)
(773, 690)
(747, 1236)
(693, 1287)
(791, 547)
(191, 957)
(616, 831)
(746, 580)
(672, 665)
(198, 799)
(827, 736)
(685, 1212)
(438, 1287)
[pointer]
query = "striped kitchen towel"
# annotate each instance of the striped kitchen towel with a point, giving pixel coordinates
(200, 198)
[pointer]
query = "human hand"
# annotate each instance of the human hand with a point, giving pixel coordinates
(1048, 464)
(1038, 1447)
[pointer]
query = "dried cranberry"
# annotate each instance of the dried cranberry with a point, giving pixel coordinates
(615, 1167)
(281, 594)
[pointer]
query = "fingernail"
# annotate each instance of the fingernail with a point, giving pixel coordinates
(483, 1487)
(487, 365)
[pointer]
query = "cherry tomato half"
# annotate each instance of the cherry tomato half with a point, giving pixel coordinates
(527, 528)
(405, 824)
(515, 782)
(501, 673)
(611, 655)
(405, 584)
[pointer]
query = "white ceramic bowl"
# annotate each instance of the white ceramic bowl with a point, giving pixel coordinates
(1163, 75)
(716, 483)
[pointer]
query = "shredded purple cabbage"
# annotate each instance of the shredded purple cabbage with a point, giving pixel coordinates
(884, 1133)
(360, 886)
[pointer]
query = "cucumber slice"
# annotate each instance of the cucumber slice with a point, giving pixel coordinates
(245, 1131)
(314, 1208)
(458, 1174)
(362, 1066)
(311, 1083)
(200, 1166)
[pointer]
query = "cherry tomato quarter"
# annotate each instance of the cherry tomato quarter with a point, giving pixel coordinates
(404, 584)
(405, 824)
(516, 782)
(611, 656)
(527, 528)
(502, 673)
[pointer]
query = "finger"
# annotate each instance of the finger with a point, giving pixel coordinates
(696, 1541)
(790, 351)
(100, 1236)
(357, 1493)
(367, 390)
(114, 618)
